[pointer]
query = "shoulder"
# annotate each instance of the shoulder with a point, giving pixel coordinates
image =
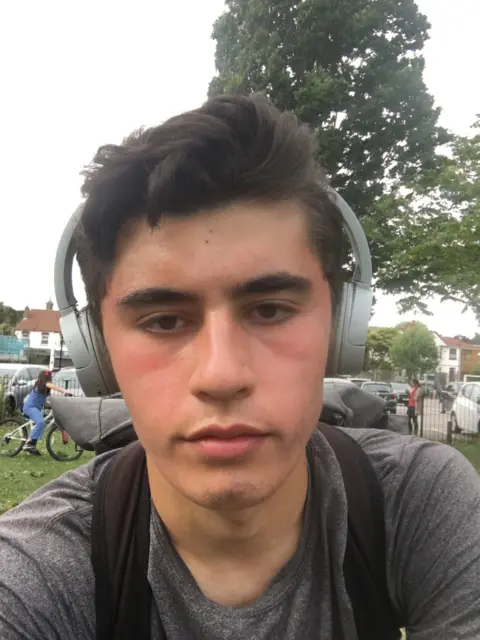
(399, 459)
(47, 538)
(432, 519)
(67, 497)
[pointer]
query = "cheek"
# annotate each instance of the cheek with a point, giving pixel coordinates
(148, 376)
(292, 370)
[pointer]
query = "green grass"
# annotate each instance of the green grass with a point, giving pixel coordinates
(24, 474)
(471, 451)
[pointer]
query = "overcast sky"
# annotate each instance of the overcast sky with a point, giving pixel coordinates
(75, 75)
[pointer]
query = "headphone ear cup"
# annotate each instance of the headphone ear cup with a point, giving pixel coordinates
(336, 338)
(350, 329)
(87, 350)
(104, 377)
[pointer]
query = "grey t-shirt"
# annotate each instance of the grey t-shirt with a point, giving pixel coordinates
(432, 512)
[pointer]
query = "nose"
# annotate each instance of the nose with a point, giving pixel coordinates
(222, 372)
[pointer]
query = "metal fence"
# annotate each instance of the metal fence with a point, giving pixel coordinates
(12, 394)
(449, 420)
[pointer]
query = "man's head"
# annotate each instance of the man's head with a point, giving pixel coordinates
(211, 255)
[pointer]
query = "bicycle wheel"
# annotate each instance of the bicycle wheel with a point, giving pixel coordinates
(13, 435)
(61, 446)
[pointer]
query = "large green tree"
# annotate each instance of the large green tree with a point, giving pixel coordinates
(414, 350)
(352, 69)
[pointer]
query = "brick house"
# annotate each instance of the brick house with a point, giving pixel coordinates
(456, 357)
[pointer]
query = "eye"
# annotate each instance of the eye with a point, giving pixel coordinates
(271, 312)
(167, 323)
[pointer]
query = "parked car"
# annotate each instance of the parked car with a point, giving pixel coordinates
(359, 381)
(68, 380)
(385, 391)
(22, 379)
(337, 381)
(465, 413)
(402, 389)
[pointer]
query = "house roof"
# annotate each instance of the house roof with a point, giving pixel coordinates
(455, 343)
(44, 320)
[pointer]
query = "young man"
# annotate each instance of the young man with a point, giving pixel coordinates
(212, 259)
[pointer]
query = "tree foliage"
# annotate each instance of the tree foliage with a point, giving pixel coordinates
(9, 318)
(352, 69)
(437, 242)
(414, 350)
(379, 343)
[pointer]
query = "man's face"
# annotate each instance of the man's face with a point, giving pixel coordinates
(218, 329)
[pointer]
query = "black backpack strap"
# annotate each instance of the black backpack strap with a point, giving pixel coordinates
(121, 546)
(365, 554)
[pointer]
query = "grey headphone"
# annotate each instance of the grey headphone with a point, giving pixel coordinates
(88, 352)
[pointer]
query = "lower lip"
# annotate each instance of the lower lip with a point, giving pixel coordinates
(227, 448)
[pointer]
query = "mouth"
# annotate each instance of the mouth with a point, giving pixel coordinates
(228, 442)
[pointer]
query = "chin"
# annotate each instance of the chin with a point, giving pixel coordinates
(231, 498)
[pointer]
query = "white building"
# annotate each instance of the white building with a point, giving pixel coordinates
(41, 327)
(450, 354)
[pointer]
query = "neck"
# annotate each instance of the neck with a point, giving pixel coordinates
(272, 527)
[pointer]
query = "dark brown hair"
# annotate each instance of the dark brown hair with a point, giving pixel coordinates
(230, 149)
(41, 383)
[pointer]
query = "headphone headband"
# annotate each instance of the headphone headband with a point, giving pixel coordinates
(66, 251)
(88, 352)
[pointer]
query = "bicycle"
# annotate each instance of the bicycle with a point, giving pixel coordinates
(14, 433)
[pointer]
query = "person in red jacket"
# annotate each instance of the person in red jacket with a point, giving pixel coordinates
(412, 407)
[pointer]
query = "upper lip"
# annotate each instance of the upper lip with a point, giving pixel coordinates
(225, 432)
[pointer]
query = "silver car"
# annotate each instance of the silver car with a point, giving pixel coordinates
(18, 382)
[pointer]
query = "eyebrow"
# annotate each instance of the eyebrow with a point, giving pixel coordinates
(268, 283)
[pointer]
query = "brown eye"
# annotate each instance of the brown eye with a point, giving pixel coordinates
(168, 323)
(270, 312)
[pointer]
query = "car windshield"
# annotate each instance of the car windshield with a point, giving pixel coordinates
(377, 387)
(398, 386)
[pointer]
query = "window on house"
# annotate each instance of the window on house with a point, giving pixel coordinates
(44, 342)
(25, 335)
(453, 354)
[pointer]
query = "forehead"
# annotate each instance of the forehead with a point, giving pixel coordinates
(230, 244)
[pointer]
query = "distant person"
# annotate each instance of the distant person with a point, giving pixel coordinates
(33, 406)
(412, 407)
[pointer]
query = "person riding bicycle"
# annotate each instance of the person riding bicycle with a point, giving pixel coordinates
(33, 405)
